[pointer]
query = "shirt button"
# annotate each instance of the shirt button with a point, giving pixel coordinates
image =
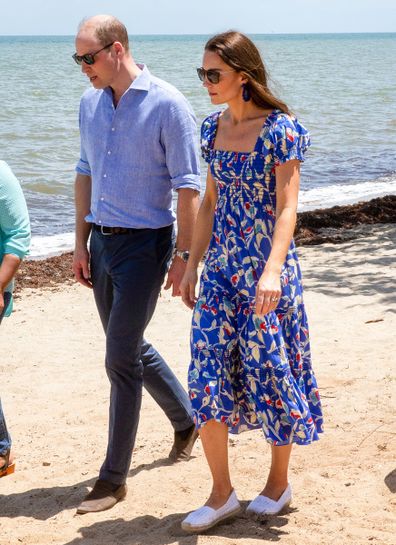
(99, 221)
(104, 175)
(113, 129)
(109, 152)
(102, 198)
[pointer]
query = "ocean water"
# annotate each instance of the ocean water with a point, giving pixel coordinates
(341, 86)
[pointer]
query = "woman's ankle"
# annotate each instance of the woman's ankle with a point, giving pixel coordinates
(274, 489)
(219, 496)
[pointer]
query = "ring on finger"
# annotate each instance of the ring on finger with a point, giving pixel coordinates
(274, 299)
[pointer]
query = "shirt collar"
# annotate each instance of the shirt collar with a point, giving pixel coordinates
(140, 83)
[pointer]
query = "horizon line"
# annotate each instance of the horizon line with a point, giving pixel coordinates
(209, 34)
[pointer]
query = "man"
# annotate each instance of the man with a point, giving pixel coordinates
(137, 144)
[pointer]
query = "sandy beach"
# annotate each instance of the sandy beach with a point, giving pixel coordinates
(55, 395)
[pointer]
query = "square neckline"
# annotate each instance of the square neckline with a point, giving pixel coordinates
(247, 153)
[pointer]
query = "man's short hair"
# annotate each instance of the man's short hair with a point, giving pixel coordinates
(109, 30)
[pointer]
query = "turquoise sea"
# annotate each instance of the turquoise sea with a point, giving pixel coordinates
(341, 86)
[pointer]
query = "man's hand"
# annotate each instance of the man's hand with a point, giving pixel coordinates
(81, 267)
(175, 275)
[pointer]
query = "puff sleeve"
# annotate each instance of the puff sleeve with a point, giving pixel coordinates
(289, 138)
(207, 130)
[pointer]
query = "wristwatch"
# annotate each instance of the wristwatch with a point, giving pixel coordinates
(183, 254)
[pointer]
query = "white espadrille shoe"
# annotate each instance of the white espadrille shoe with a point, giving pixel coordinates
(261, 505)
(205, 517)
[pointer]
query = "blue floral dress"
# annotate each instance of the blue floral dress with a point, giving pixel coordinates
(252, 371)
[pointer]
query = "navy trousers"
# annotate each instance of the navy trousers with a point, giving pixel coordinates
(127, 272)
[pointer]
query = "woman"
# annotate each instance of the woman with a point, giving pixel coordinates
(251, 363)
(14, 245)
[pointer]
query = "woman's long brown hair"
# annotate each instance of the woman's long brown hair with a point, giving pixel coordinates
(240, 53)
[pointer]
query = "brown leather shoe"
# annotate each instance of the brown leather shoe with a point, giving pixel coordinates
(104, 495)
(183, 445)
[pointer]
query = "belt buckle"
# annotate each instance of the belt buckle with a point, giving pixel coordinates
(103, 232)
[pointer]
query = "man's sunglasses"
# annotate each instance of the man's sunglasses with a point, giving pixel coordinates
(212, 75)
(89, 58)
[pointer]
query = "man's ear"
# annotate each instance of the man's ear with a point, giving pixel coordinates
(119, 49)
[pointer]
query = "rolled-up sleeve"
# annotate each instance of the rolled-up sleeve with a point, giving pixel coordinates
(82, 166)
(14, 217)
(180, 140)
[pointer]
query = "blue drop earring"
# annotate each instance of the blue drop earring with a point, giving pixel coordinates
(245, 92)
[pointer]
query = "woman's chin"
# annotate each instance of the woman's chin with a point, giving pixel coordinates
(214, 99)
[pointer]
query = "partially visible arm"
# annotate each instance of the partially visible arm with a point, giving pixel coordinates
(179, 139)
(8, 269)
(14, 225)
(187, 210)
(82, 194)
(287, 187)
(201, 238)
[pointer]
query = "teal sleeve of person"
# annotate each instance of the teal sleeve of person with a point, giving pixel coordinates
(14, 219)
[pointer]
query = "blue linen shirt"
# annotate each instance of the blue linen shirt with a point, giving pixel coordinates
(137, 152)
(14, 220)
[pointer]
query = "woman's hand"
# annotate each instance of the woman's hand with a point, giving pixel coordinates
(268, 292)
(187, 287)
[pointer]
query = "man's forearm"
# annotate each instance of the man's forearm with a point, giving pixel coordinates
(82, 188)
(187, 210)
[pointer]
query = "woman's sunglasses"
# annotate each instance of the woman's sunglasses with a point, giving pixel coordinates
(89, 58)
(212, 75)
